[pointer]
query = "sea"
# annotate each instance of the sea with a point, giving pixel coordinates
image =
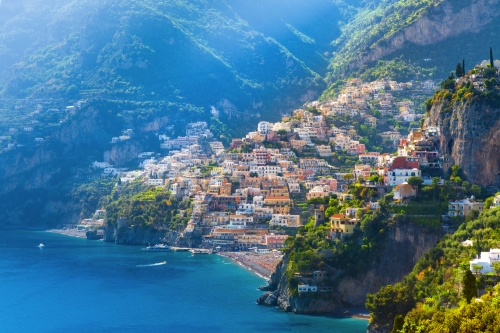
(78, 285)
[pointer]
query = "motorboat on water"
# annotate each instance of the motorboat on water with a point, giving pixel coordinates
(41, 246)
(158, 248)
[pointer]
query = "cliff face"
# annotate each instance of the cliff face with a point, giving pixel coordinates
(134, 235)
(439, 24)
(39, 178)
(404, 246)
(470, 133)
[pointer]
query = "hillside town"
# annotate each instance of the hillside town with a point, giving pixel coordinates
(257, 191)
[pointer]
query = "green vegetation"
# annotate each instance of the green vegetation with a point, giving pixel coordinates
(312, 250)
(369, 33)
(452, 94)
(441, 280)
(371, 28)
(237, 56)
(146, 207)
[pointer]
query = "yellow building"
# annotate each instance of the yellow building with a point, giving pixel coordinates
(343, 224)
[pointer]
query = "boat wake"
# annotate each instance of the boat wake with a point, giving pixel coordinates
(151, 265)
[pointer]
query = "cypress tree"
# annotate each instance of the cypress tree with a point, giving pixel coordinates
(398, 323)
(463, 66)
(458, 71)
(492, 63)
(469, 286)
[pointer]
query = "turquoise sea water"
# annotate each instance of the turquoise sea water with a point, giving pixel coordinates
(76, 285)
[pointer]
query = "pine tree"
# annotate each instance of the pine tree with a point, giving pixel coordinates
(463, 66)
(459, 71)
(492, 63)
(469, 286)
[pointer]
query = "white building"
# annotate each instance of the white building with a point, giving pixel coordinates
(486, 260)
(155, 182)
(239, 221)
(496, 201)
(464, 207)
(101, 165)
(284, 220)
(264, 127)
(324, 150)
(245, 209)
(305, 288)
(264, 170)
(400, 176)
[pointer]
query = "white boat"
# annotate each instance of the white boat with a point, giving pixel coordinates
(41, 245)
(158, 248)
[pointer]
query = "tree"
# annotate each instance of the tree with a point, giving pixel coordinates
(469, 286)
(449, 83)
(463, 66)
(390, 301)
(490, 84)
(281, 132)
(331, 211)
(488, 202)
(348, 177)
(475, 190)
(398, 324)
(459, 71)
(477, 269)
(492, 63)
(496, 267)
(415, 181)
(478, 246)
(72, 90)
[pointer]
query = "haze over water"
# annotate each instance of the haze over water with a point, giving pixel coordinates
(76, 285)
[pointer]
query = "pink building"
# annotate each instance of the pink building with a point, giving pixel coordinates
(332, 184)
(356, 149)
(274, 241)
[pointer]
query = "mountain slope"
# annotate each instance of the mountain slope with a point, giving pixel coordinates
(433, 34)
(199, 52)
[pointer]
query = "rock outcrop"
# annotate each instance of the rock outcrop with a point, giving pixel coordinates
(470, 133)
(404, 246)
(135, 235)
(440, 23)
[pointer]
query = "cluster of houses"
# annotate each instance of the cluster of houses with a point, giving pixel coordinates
(245, 195)
(29, 125)
(358, 97)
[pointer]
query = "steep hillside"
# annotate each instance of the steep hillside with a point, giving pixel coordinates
(251, 54)
(433, 34)
(402, 248)
(435, 289)
(469, 122)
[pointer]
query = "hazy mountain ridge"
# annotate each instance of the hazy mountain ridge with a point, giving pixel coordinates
(197, 52)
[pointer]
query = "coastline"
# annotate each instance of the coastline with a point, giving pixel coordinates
(69, 232)
(360, 316)
(251, 265)
(246, 260)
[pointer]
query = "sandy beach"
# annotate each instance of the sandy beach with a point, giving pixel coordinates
(261, 264)
(69, 232)
(358, 313)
